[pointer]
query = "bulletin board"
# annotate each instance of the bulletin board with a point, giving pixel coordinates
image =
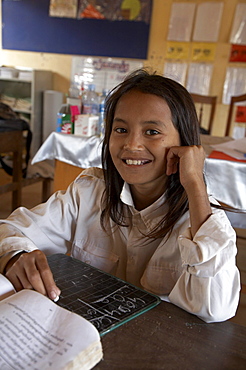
(27, 26)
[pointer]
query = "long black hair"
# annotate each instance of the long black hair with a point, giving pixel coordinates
(184, 119)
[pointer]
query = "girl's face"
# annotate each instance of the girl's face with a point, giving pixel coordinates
(142, 133)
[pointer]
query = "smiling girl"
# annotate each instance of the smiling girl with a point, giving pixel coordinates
(145, 217)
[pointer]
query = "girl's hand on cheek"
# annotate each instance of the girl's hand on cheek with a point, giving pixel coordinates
(189, 161)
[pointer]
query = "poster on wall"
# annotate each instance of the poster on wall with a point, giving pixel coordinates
(63, 8)
(104, 73)
(131, 10)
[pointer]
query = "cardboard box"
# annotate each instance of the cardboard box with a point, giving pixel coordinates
(64, 123)
(86, 125)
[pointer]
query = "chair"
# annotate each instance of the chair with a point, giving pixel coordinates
(205, 100)
(231, 114)
(13, 142)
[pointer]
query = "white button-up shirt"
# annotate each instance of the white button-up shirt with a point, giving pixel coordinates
(199, 274)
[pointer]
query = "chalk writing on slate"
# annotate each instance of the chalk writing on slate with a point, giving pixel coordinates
(101, 298)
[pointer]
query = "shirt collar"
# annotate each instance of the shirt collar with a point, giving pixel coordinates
(126, 195)
(126, 198)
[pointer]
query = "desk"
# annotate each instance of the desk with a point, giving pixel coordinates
(167, 337)
(226, 180)
(72, 154)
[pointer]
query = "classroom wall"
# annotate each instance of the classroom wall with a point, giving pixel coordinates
(60, 64)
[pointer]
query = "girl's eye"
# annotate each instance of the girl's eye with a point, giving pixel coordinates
(120, 130)
(152, 132)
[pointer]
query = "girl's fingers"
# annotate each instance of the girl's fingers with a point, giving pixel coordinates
(31, 271)
(47, 277)
(172, 161)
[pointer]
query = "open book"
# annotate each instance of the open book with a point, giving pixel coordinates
(35, 333)
(66, 334)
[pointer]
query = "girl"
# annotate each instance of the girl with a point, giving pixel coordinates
(145, 217)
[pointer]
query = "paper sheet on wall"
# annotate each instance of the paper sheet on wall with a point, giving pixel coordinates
(199, 77)
(238, 53)
(181, 21)
(235, 83)
(176, 71)
(203, 51)
(178, 50)
(208, 14)
(238, 32)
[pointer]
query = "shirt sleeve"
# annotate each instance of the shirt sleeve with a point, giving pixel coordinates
(209, 285)
(5, 258)
(48, 227)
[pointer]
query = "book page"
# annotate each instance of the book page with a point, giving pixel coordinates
(35, 333)
(6, 288)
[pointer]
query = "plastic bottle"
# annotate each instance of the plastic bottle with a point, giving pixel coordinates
(90, 101)
(74, 87)
(101, 126)
(74, 91)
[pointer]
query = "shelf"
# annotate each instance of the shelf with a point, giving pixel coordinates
(22, 111)
(33, 88)
(15, 79)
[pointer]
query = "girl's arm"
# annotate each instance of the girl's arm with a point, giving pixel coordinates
(209, 285)
(27, 236)
(189, 161)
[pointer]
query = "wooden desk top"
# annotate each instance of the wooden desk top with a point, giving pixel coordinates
(167, 337)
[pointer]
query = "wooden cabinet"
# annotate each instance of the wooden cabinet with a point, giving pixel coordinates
(24, 94)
